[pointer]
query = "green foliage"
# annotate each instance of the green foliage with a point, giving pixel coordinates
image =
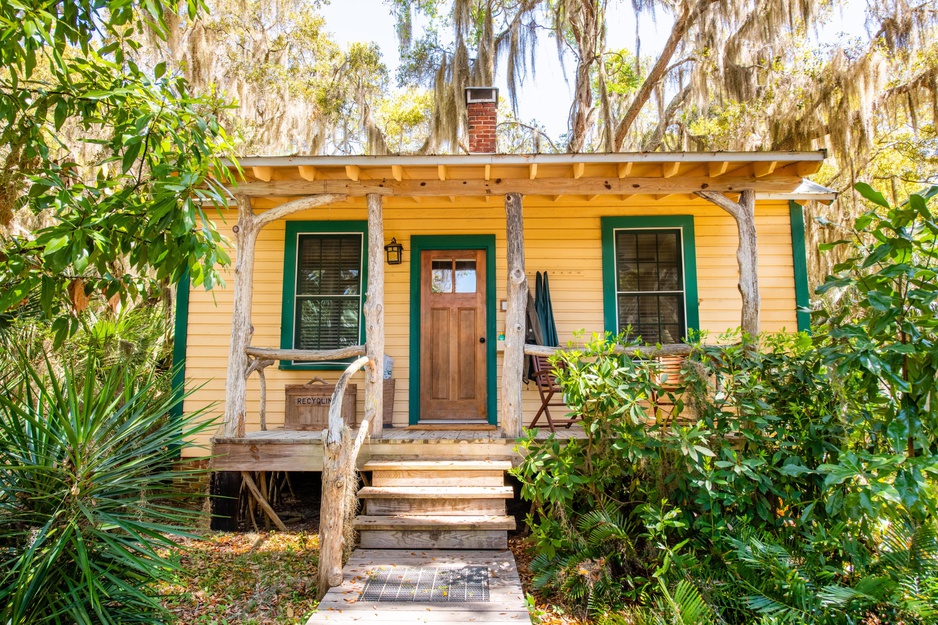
(118, 159)
(87, 495)
(794, 478)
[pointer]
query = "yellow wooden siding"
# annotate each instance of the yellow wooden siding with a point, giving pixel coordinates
(562, 238)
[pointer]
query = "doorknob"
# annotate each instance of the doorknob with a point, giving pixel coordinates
(482, 339)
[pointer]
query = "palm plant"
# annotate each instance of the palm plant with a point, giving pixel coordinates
(87, 501)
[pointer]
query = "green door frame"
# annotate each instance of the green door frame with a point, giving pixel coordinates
(420, 243)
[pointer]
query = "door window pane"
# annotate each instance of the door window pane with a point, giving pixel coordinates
(441, 276)
(465, 276)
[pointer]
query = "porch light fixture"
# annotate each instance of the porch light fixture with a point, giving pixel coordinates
(395, 252)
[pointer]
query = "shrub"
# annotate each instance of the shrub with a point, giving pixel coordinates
(87, 501)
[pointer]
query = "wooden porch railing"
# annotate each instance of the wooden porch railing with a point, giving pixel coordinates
(260, 358)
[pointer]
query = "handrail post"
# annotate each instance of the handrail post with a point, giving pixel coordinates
(338, 464)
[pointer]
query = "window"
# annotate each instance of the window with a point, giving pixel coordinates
(649, 277)
(324, 280)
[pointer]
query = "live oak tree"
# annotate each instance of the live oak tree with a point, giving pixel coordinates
(116, 163)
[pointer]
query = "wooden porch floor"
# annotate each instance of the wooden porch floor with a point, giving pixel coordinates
(291, 450)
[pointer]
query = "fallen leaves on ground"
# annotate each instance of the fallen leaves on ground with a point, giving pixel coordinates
(246, 578)
(543, 611)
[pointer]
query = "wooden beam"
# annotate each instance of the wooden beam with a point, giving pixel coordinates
(532, 171)
(669, 170)
(764, 168)
(718, 168)
(674, 349)
(249, 482)
(398, 172)
(353, 172)
(441, 172)
(263, 173)
(578, 169)
(623, 170)
(488, 172)
(305, 355)
(307, 172)
(525, 186)
(374, 315)
(513, 363)
(295, 206)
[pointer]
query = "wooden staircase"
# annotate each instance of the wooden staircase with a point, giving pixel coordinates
(435, 504)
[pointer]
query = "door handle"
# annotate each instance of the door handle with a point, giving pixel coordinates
(482, 339)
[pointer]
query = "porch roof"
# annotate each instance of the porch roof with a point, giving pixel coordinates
(622, 173)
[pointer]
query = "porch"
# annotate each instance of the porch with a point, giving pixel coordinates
(292, 450)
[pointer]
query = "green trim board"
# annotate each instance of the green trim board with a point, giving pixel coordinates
(419, 243)
(288, 297)
(180, 342)
(799, 256)
(689, 251)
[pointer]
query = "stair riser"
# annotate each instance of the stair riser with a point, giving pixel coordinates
(455, 507)
(437, 478)
(434, 539)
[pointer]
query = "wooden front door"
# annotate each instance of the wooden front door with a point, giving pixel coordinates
(452, 335)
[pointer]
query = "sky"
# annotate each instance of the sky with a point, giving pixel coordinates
(344, 19)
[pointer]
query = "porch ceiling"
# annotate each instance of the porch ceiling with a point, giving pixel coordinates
(539, 174)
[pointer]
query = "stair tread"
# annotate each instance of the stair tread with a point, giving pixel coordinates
(435, 522)
(436, 492)
(435, 465)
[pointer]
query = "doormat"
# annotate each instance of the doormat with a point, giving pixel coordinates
(432, 584)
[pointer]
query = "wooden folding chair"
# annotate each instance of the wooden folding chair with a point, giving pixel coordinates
(550, 392)
(669, 380)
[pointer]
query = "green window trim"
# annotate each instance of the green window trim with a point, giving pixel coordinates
(799, 257)
(180, 343)
(419, 243)
(288, 303)
(609, 226)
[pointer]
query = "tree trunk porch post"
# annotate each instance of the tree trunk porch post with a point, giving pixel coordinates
(744, 212)
(374, 316)
(513, 365)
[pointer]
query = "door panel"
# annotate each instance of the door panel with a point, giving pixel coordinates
(452, 335)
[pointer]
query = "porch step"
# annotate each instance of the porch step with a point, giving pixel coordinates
(436, 465)
(435, 504)
(435, 522)
(437, 492)
(441, 500)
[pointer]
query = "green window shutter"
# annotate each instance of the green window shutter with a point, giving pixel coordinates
(800, 264)
(325, 274)
(650, 277)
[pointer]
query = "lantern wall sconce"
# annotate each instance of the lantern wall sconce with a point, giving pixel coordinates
(395, 252)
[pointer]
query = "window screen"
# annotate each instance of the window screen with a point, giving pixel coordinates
(650, 285)
(328, 291)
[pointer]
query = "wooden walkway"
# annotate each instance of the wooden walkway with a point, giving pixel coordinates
(506, 604)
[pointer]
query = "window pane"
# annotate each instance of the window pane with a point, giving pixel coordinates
(327, 323)
(667, 247)
(628, 277)
(669, 308)
(628, 311)
(626, 247)
(647, 277)
(650, 284)
(669, 278)
(648, 247)
(441, 278)
(465, 276)
(329, 264)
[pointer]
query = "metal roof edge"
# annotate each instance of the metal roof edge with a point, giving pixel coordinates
(525, 159)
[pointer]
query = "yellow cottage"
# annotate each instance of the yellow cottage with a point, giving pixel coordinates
(445, 250)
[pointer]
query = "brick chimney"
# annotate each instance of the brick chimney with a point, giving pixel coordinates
(481, 103)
